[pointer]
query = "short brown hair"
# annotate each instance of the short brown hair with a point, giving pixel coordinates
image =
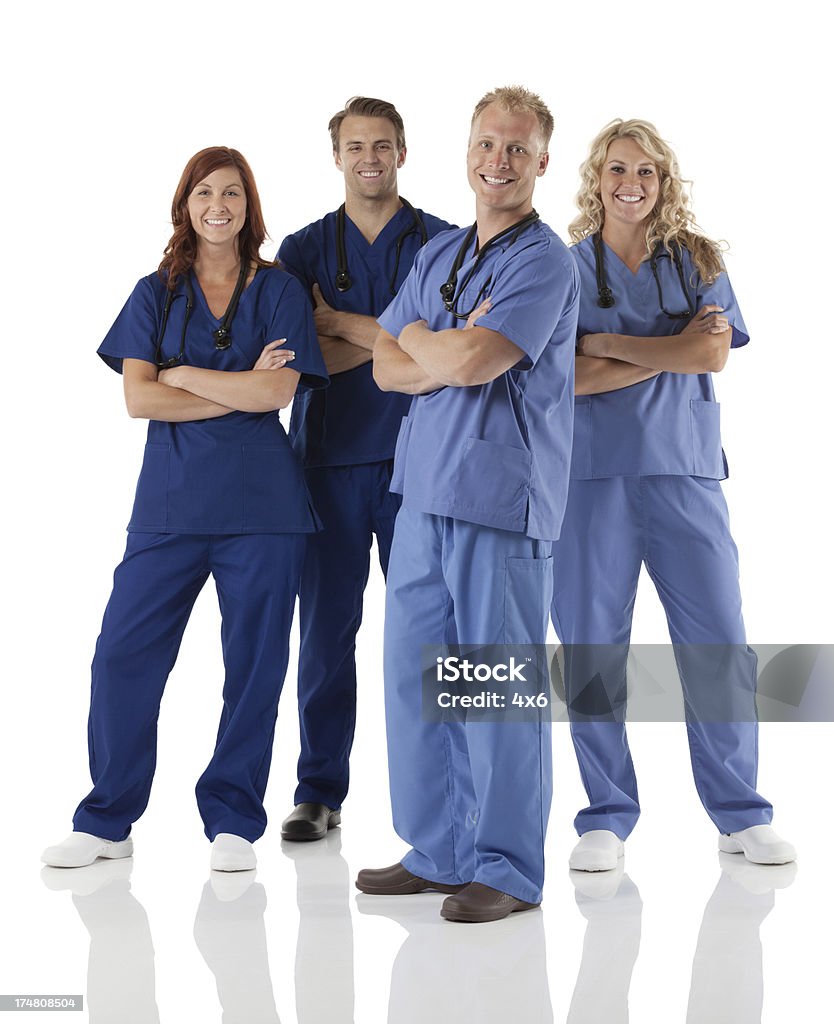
(367, 106)
(515, 99)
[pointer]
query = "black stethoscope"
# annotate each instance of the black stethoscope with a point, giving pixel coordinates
(222, 335)
(343, 280)
(606, 296)
(450, 292)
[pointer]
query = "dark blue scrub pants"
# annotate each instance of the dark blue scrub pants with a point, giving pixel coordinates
(354, 503)
(678, 527)
(154, 590)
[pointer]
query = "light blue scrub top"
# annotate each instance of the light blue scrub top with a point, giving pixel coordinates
(495, 454)
(236, 473)
(352, 422)
(666, 425)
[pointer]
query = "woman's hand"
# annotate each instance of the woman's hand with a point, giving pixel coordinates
(707, 321)
(273, 357)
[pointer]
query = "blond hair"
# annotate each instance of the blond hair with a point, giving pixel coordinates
(515, 99)
(671, 222)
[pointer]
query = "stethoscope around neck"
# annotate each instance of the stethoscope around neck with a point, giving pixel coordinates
(451, 292)
(343, 279)
(605, 297)
(222, 335)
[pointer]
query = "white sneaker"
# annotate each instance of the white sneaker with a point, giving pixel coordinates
(80, 849)
(232, 853)
(759, 844)
(597, 850)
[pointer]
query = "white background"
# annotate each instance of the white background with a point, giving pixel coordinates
(103, 106)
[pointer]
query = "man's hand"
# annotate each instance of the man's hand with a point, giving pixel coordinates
(325, 317)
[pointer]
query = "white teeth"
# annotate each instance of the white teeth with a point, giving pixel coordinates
(495, 181)
(215, 221)
(629, 199)
(370, 174)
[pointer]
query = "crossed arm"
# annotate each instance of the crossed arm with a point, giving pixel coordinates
(607, 362)
(193, 393)
(422, 360)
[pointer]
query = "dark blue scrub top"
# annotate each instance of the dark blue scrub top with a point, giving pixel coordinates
(353, 422)
(237, 473)
(496, 454)
(670, 423)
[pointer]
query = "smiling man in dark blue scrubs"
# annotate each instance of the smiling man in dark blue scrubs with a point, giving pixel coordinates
(352, 261)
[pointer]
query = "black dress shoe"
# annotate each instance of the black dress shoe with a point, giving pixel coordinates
(309, 822)
(478, 903)
(397, 881)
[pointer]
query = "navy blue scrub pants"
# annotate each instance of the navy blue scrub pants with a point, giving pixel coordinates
(678, 527)
(154, 590)
(471, 798)
(354, 503)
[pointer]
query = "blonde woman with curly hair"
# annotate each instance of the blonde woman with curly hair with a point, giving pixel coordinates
(657, 317)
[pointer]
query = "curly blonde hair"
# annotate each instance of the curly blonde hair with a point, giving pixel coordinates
(671, 222)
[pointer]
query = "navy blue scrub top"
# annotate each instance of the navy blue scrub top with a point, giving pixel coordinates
(353, 422)
(670, 423)
(236, 473)
(496, 454)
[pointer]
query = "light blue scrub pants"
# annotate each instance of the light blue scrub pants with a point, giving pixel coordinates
(154, 590)
(471, 798)
(354, 503)
(677, 526)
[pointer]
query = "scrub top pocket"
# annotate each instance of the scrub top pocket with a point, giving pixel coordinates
(493, 485)
(400, 451)
(707, 456)
(273, 480)
(150, 507)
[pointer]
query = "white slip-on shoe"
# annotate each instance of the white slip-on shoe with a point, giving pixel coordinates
(597, 850)
(232, 853)
(80, 849)
(759, 844)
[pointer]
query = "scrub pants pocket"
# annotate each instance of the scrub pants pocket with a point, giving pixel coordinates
(528, 590)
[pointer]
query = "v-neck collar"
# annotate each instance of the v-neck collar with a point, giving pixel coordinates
(393, 226)
(198, 291)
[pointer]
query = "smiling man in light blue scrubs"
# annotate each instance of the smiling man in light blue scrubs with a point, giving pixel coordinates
(482, 333)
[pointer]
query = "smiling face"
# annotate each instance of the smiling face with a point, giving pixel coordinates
(503, 162)
(217, 207)
(629, 183)
(368, 157)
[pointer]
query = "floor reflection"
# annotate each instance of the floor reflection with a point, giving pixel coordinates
(324, 951)
(121, 981)
(727, 982)
(442, 972)
(610, 903)
(230, 934)
(464, 972)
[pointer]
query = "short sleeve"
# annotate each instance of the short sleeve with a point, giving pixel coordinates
(404, 308)
(534, 294)
(720, 293)
(134, 334)
(293, 320)
(291, 259)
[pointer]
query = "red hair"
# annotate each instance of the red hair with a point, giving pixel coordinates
(181, 250)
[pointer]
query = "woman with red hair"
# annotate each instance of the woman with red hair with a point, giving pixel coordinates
(210, 347)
